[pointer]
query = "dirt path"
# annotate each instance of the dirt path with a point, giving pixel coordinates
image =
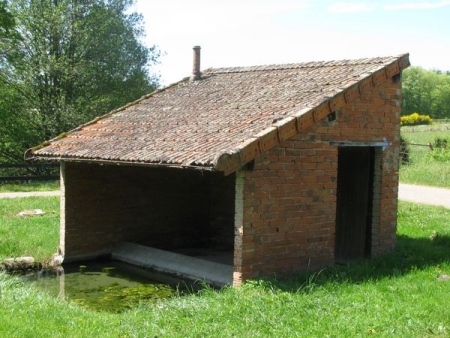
(28, 194)
(424, 194)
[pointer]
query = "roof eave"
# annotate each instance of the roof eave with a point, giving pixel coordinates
(124, 163)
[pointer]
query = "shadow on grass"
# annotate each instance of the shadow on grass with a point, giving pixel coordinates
(410, 254)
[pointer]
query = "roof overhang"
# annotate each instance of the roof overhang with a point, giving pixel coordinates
(123, 163)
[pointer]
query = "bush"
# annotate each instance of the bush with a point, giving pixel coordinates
(441, 149)
(415, 119)
(404, 151)
(441, 142)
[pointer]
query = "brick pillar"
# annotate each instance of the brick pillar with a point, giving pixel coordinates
(62, 222)
(238, 227)
(376, 202)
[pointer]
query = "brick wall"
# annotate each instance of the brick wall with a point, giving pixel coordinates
(289, 198)
(163, 208)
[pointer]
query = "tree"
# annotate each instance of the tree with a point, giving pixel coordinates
(9, 101)
(417, 87)
(6, 19)
(74, 60)
(426, 92)
(8, 36)
(441, 99)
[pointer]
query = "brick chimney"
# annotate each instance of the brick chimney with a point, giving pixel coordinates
(196, 74)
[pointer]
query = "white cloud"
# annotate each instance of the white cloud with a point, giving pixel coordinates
(346, 7)
(418, 5)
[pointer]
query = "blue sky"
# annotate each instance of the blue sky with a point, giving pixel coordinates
(256, 32)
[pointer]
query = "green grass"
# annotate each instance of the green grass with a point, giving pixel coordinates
(29, 186)
(36, 236)
(397, 295)
(423, 170)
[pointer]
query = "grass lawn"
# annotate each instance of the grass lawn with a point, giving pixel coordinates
(423, 169)
(30, 186)
(36, 236)
(397, 295)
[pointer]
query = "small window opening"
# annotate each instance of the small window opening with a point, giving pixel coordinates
(250, 165)
(331, 116)
(396, 78)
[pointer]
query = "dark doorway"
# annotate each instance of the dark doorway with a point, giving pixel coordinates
(354, 203)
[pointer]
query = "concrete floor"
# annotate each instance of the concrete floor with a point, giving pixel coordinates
(194, 268)
(218, 256)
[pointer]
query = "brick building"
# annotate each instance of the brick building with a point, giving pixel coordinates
(273, 168)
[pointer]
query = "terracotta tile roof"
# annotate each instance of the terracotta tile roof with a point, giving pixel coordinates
(225, 119)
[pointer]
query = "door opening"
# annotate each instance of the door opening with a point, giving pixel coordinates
(353, 239)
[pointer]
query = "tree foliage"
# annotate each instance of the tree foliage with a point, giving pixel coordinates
(426, 92)
(68, 62)
(6, 19)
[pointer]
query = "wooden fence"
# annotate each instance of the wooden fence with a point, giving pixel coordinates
(404, 152)
(429, 145)
(28, 172)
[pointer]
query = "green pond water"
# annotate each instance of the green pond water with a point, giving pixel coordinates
(109, 285)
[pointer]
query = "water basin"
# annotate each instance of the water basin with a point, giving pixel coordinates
(109, 285)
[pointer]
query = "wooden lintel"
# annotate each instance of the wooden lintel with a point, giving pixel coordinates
(360, 144)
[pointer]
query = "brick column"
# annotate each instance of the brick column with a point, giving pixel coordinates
(238, 227)
(62, 222)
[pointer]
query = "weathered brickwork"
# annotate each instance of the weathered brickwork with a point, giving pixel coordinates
(289, 198)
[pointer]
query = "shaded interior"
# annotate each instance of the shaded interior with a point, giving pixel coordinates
(190, 212)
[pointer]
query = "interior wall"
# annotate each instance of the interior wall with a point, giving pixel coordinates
(165, 208)
(222, 210)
